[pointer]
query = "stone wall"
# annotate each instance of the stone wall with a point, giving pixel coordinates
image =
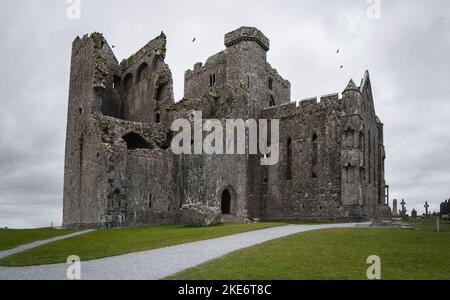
(306, 182)
(88, 78)
(147, 86)
(104, 177)
(120, 170)
(362, 153)
(206, 177)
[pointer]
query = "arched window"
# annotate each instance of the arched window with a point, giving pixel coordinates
(289, 159)
(116, 82)
(142, 72)
(348, 174)
(155, 63)
(162, 92)
(127, 81)
(157, 118)
(351, 174)
(115, 200)
(226, 202)
(135, 141)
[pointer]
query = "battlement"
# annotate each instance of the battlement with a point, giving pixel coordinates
(247, 34)
(156, 47)
(305, 105)
(330, 99)
(211, 63)
(97, 39)
(308, 103)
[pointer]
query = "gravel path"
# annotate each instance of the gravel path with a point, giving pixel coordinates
(39, 243)
(159, 263)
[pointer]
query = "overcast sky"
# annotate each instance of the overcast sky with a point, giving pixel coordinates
(407, 52)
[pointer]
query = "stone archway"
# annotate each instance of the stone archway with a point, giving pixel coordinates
(227, 201)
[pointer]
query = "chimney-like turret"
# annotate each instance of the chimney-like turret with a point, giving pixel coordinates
(247, 34)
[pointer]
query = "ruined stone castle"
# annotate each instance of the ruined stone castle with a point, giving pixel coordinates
(120, 170)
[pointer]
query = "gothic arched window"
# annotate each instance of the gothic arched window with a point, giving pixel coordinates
(142, 72)
(127, 81)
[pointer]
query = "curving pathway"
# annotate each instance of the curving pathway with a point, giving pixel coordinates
(159, 263)
(22, 248)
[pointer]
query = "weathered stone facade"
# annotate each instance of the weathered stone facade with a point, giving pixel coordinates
(120, 170)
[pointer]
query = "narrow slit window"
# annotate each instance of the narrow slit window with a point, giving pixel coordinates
(315, 152)
(150, 200)
(289, 160)
(212, 80)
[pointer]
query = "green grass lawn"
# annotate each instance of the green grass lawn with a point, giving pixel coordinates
(334, 254)
(105, 243)
(11, 238)
(428, 225)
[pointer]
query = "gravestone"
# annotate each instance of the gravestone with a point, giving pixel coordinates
(404, 210)
(426, 208)
(394, 208)
(414, 214)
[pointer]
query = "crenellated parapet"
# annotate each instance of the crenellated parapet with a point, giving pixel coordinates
(330, 102)
(210, 65)
(247, 34)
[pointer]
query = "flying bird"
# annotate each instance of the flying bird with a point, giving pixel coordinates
(338, 50)
(341, 67)
(113, 46)
(194, 40)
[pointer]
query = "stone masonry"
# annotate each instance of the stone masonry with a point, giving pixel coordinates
(120, 170)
